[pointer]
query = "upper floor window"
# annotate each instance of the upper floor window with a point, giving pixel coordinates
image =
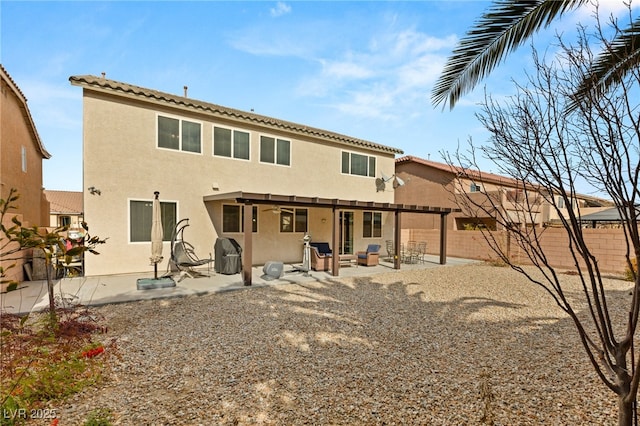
(560, 203)
(294, 220)
(23, 153)
(174, 133)
(475, 188)
(371, 224)
(233, 218)
(231, 143)
(275, 151)
(358, 164)
(141, 216)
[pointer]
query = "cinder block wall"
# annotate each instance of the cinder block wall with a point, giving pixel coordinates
(607, 245)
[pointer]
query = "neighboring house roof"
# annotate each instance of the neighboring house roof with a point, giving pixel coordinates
(474, 174)
(129, 90)
(64, 202)
(488, 177)
(25, 111)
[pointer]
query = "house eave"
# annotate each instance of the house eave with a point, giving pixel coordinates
(105, 85)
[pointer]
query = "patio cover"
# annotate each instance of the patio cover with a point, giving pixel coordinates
(248, 199)
(611, 215)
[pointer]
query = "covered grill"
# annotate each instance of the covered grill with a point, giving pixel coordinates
(228, 256)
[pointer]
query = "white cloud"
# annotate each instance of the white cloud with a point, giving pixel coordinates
(281, 9)
(387, 79)
(345, 70)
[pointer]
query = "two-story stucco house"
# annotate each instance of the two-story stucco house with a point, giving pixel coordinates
(21, 156)
(227, 171)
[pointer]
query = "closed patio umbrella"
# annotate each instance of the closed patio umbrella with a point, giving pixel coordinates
(156, 250)
(156, 235)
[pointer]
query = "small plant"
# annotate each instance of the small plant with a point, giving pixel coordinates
(99, 417)
(630, 272)
(40, 363)
(487, 397)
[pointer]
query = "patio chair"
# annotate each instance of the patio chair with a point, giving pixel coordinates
(391, 250)
(410, 252)
(370, 257)
(320, 256)
(183, 256)
(421, 251)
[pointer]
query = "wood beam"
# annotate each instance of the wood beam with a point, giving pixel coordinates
(335, 243)
(397, 243)
(443, 238)
(247, 253)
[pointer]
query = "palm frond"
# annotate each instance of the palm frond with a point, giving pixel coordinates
(620, 57)
(507, 25)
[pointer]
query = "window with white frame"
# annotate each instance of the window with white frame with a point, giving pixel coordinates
(372, 224)
(178, 134)
(141, 216)
(275, 151)
(23, 153)
(475, 188)
(233, 218)
(295, 220)
(231, 143)
(358, 164)
(560, 202)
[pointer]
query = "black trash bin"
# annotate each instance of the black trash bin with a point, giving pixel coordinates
(228, 256)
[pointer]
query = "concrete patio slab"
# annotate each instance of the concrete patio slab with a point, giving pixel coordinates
(101, 290)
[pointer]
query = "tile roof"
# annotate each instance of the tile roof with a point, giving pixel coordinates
(25, 111)
(125, 89)
(487, 177)
(64, 202)
(480, 175)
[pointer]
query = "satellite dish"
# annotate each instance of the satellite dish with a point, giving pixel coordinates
(397, 182)
(381, 182)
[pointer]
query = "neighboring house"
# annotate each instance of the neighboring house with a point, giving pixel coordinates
(226, 170)
(430, 182)
(21, 155)
(65, 209)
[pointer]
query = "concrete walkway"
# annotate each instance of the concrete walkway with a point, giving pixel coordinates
(100, 290)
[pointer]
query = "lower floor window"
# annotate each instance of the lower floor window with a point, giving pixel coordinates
(372, 224)
(141, 216)
(295, 220)
(233, 218)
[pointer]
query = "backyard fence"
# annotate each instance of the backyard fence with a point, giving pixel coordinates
(607, 245)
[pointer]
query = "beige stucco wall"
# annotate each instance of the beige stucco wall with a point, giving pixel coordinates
(122, 161)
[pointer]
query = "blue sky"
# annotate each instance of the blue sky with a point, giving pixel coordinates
(364, 69)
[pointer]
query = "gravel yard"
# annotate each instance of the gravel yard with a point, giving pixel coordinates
(442, 346)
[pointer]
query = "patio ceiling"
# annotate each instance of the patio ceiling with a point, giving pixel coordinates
(248, 199)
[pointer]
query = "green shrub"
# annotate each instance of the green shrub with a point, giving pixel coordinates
(99, 417)
(628, 274)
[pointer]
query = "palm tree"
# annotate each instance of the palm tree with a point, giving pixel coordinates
(506, 26)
